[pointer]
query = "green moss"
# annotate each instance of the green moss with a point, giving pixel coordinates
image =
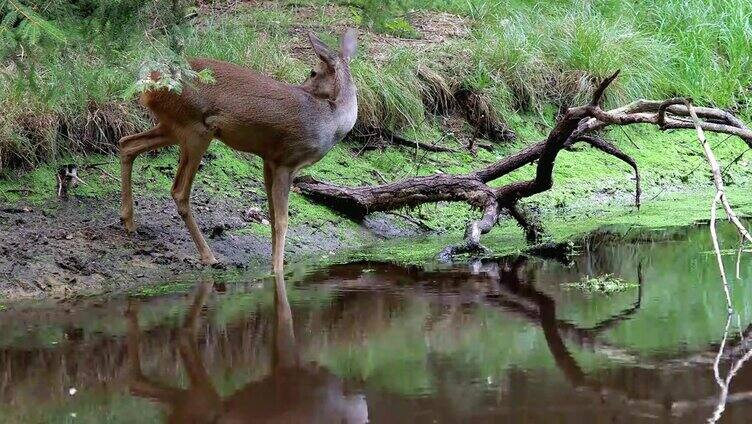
(507, 238)
(255, 228)
(605, 284)
(590, 189)
(164, 288)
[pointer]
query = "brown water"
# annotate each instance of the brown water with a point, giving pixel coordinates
(497, 341)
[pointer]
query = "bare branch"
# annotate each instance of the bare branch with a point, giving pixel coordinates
(717, 249)
(612, 150)
(473, 232)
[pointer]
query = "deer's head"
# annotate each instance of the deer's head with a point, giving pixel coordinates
(331, 75)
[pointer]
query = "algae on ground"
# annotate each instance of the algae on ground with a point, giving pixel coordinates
(605, 284)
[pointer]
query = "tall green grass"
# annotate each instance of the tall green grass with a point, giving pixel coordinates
(526, 56)
(544, 51)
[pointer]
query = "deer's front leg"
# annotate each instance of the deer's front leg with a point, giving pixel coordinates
(139, 384)
(268, 184)
(282, 178)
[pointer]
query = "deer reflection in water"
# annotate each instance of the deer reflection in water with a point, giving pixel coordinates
(294, 392)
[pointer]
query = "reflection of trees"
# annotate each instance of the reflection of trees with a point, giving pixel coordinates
(736, 353)
(524, 300)
(293, 392)
(517, 297)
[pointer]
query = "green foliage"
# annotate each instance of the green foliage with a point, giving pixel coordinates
(171, 74)
(22, 28)
(389, 94)
(384, 16)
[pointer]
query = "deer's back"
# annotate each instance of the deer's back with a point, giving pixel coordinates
(246, 110)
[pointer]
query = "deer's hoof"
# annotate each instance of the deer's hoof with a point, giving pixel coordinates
(129, 225)
(209, 261)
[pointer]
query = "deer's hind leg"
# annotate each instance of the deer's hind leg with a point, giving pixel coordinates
(130, 148)
(191, 152)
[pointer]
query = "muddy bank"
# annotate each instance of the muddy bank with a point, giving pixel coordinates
(66, 248)
(57, 249)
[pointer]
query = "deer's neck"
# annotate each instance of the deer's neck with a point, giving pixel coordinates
(346, 105)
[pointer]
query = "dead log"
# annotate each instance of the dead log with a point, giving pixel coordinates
(357, 202)
(576, 124)
(383, 136)
(402, 141)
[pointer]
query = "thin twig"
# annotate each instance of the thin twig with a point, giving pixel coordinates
(629, 138)
(733, 162)
(717, 249)
(415, 221)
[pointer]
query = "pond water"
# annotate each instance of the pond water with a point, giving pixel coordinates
(493, 341)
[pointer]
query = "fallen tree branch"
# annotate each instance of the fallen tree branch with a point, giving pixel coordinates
(612, 150)
(717, 250)
(717, 179)
(402, 141)
(576, 124)
(473, 232)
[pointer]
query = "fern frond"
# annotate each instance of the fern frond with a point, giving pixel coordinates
(35, 19)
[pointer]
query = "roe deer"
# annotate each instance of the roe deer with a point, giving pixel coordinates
(288, 126)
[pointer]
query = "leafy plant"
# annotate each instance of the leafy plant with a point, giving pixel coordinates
(167, 74)
(22, 29)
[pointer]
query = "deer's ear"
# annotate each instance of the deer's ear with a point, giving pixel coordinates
(321, 49)
(349, 44)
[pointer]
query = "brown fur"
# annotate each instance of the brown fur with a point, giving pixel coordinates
(288, 126)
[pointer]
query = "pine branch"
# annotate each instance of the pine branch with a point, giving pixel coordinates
(35, 19)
